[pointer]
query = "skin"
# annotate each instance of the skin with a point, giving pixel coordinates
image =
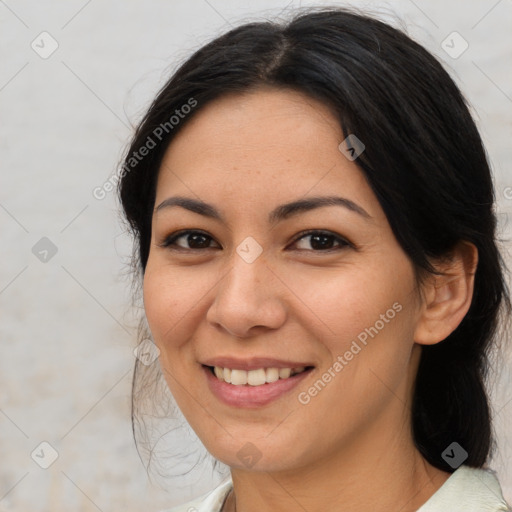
(246, 154)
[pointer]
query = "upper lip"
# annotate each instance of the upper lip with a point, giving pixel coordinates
(253, 363)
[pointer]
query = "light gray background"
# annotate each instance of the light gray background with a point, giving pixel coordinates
(67, 331)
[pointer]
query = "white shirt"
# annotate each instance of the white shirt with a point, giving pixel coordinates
(466, 490)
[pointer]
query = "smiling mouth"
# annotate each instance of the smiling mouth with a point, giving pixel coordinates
(257, 377)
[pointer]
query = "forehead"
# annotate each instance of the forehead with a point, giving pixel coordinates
(265, 146)
(255, 126)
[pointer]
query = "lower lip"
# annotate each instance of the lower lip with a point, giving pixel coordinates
(252, 396)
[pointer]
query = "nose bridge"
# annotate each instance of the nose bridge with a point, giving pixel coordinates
(247, 296)
(248, 273)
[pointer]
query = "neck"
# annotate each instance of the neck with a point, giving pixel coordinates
(387, 480)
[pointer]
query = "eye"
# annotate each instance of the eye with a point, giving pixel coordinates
(323, 240)
(320, 241)
(195, 239)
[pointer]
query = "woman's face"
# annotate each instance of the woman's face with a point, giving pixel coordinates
(254, 290)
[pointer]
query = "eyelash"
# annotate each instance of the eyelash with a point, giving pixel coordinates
(169, 241)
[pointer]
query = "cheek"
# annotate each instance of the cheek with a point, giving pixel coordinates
(345, 302)
(369, 343)
(169, 302)
(374, 322)
(172, 305)
(367, 318)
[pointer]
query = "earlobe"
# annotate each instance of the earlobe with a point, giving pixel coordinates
(447, 297)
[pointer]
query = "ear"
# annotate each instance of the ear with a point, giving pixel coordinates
(447, 297)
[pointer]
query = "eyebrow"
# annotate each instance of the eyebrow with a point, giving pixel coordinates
(280, 213)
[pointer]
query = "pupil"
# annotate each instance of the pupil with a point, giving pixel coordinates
(324, 244)
(194, 239)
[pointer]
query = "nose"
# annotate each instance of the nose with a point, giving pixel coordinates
(248, 299)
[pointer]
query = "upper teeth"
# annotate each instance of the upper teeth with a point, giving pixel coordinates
(255, 377)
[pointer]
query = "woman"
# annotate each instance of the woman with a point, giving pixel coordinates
(313, 214)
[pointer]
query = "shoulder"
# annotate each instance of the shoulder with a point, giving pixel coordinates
(468, 490)
(212, 501)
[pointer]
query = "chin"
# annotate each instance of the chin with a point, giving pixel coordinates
(257, 455)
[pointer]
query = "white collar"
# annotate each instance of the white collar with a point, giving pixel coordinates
(466, 490)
